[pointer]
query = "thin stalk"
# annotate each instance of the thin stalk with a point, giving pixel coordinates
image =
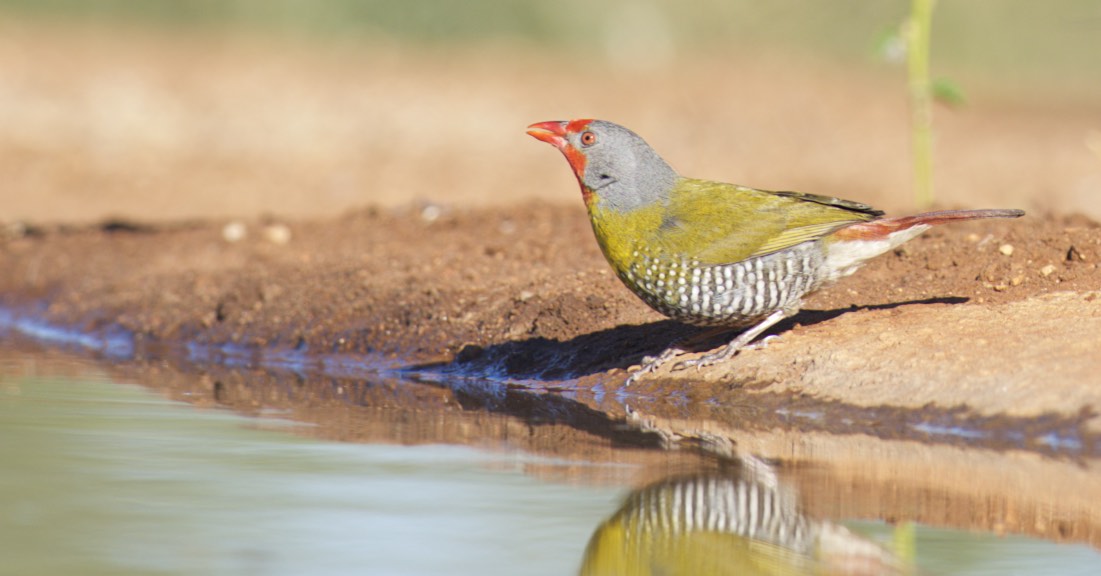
(904, 538)
(921, 98)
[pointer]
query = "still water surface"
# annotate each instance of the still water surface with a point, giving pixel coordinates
(100, 477)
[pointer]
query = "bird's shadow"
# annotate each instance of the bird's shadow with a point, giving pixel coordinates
(622, 346)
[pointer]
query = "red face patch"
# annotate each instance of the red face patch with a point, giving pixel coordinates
(557, 134)
(575, 157)
(578, 126)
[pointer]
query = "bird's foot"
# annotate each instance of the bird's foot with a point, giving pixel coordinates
(652, 363)
(742, 341)
(709, 359)
(762, 343)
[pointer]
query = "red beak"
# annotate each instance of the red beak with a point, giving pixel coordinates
(553, 133)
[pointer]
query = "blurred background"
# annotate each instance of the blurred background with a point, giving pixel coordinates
(180, 109)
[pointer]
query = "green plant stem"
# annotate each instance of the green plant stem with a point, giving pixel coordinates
(921, 113)
(904, 537)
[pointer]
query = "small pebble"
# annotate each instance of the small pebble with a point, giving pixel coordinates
(1048, 270)
(277, 234)
(526, 295)
(234, 231)
(1006, 249)
(14, 230)
(431, 212)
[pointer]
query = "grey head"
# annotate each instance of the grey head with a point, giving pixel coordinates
(614, 165)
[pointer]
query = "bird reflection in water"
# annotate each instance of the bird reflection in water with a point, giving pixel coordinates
(746, 524)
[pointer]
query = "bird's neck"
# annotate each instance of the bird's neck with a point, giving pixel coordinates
(625, 234)
(627, 204)
(589, 196)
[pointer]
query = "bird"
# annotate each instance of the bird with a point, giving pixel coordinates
(718, 523)
(713, 254)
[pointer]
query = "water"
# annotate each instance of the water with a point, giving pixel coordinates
(103, 478)
(101, 475)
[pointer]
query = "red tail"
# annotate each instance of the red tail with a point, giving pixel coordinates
(884, 227)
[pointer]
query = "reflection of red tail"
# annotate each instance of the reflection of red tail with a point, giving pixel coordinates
(884, 227)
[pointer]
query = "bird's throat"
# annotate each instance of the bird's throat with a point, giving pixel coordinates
(589, 196)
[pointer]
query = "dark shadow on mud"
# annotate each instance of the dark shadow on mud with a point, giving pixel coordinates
(435, 407)
(620, 347)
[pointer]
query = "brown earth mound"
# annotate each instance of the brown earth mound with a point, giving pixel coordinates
(1001, 316)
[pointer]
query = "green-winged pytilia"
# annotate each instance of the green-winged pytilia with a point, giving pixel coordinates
(719, 524)
(715, 254)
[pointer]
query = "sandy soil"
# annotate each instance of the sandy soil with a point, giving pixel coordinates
(407, 219)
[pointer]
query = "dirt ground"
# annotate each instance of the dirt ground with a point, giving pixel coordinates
(523, 292)
(388, 205)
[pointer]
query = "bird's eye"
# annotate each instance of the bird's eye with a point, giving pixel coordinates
(588, 138)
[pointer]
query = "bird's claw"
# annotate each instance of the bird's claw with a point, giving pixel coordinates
(686, 364)
(650, 364)
(697, 363)
(635, 376)
(762, 343)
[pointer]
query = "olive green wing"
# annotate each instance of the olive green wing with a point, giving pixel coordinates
(722, 223)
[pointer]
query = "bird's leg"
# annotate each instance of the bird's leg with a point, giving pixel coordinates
(652, 363)
(736, 344)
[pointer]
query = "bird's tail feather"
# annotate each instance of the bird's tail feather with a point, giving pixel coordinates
(884, 227)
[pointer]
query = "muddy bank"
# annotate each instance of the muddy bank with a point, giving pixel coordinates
(1000, 317)
(997, 316)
